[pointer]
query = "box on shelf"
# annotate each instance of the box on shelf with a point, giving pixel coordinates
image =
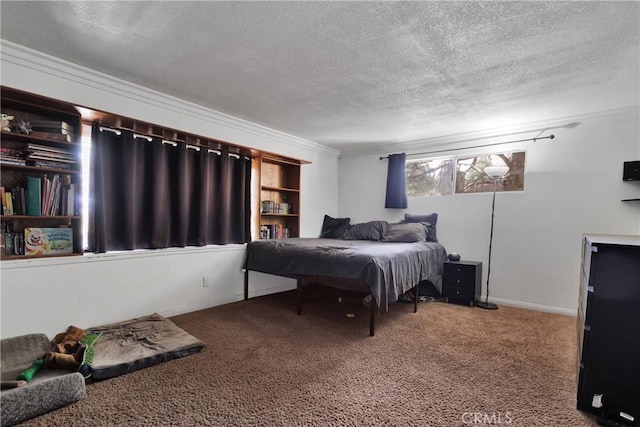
(48, 241)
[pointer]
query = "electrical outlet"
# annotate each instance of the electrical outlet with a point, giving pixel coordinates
(205, 281)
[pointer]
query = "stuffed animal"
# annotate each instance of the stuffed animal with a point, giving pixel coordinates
(69, 352)
(5, 122)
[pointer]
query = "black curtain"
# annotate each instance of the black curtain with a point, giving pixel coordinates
(396, 182)
(150, 195)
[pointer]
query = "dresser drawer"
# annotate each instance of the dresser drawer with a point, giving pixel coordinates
(459, 276)
(461, 281)
(458, 293)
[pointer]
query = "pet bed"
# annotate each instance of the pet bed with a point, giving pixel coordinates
(139, 343)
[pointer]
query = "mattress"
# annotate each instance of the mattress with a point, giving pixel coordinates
(388, 269)
(139, 343)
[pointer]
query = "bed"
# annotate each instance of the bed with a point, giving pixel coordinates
(384, 269)
(139, 343)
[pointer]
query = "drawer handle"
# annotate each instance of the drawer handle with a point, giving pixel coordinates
(457, 292)
(459, 270)
(458, 281)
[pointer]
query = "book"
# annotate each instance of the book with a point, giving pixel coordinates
(17, 207)
(23, 201)
(55, 124)
(8, 243)
(51, 135)
(47, 164)
(17, 162)
(44, 148)
(34, 196)
(71, 200)
(9, 202)
(48, 241)
(3, 201)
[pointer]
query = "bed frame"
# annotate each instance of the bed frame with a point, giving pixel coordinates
(333, 282)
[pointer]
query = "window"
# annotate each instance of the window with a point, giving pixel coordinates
(429, 177)
(146, 192)
(470, 176)
(436, 177)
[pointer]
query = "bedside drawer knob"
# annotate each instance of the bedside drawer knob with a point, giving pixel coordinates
(459, 270)
(458, 281)
(457, 292)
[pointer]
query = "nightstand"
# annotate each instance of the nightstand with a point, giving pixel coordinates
(461, 281)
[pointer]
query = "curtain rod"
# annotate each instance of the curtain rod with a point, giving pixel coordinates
(118, 130)
(477, 146)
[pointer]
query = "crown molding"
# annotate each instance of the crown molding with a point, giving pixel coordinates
(25, 57)
(520, 131)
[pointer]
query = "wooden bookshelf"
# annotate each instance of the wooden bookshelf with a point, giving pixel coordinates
(43, 144)
(279, 202)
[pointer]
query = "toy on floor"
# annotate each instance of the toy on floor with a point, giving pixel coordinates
(73, 351)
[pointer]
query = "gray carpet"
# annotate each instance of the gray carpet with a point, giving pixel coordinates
(265, 366)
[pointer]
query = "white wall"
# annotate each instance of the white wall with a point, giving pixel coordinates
(48, 295)
(573, 185)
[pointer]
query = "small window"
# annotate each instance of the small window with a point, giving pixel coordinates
(470, 176)
(436, 177)
(430, 177)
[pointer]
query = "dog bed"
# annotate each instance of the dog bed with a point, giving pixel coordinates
(139, 343)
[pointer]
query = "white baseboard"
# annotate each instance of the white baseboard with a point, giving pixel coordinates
(288, 287)
(227, 300)
(530, 306)
(202, 306)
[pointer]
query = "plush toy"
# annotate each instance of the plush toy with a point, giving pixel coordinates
(73, 351)
(68, 352)
(5, 122)
(68, 342)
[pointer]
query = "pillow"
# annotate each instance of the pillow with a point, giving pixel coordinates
(372, 230)
(432, 219)
(334, 228)
(406, 232)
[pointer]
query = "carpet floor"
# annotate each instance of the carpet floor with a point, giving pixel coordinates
(263, 365)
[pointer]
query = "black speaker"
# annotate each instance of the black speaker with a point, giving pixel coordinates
(631, 171)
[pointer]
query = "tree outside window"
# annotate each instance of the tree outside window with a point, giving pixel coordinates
(429, 177)
(436, 177)
(470, 176)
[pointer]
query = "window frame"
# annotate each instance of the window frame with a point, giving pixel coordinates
(455, 158)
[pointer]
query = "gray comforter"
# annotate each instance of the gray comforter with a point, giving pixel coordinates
(388, 269)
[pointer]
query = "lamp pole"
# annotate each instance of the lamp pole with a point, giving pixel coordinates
(494, 173)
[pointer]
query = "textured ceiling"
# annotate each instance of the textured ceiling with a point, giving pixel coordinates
(350, 74)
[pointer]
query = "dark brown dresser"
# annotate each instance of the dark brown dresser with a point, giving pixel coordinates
(609, 329)
(461, 281)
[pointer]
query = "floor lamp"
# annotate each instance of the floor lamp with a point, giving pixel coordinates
(495, 173)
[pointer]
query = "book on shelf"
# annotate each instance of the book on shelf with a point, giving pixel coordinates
(11, 156)
(71, 200)
(9, 202)
(17, 205)
(48, 241)
(52, 164)
(50, 157)
(274, 231)
(16, 162)
(34, 196)
(52, 124)
(3, 201)
(45, 148)
(52, 135)
(8, 244)
(19, 200)
(11, 242)
(269, 206)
